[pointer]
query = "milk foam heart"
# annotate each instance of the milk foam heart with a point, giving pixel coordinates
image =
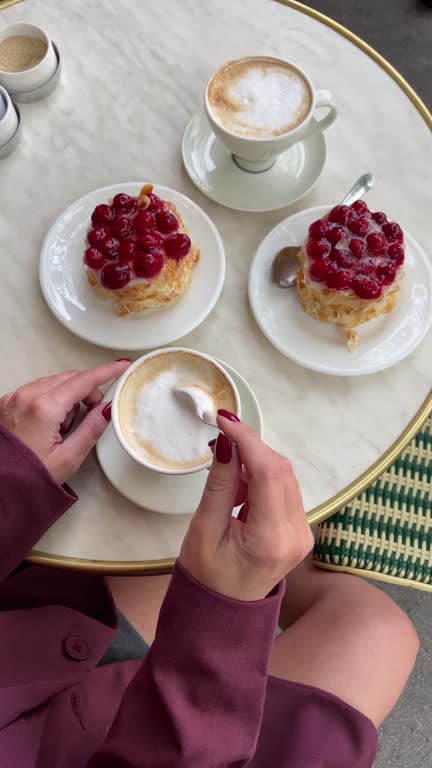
(161, 427)
(259, 97)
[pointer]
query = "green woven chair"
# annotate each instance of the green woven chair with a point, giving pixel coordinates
(386, 533)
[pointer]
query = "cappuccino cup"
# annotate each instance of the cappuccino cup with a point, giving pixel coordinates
(156, 425)
(259, 106)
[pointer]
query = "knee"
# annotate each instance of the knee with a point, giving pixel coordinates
(398, 634)
(389, 629)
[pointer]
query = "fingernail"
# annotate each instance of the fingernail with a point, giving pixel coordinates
(243, 512)
(223, 449)
(228, 415)
(211, 443)
(123, 360)
(106, 412)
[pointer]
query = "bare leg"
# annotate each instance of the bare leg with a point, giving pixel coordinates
(344, 636)
(139, 598)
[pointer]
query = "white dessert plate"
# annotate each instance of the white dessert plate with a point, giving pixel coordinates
(67, 292)
(170, 494)
(321, 347)
(212, 169)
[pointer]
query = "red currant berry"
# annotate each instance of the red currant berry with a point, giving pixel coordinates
(376, 242)
(366, 266)
(103, 214)
(121, 228)
(343, 258)
(379, 217)
(339, 281)
(335, 234)
(356, 246)
(124, 204)
(143, 222)
(148, 264)
(116, 276)
(127, 250)
(97, 235)
(392, 231)
(386, 272)
(177, 246)
(166, 222)
(156, 204)
(340, 214)
(319, 228)
(359, 226)
(316, 249)
(360, 207)
(110, 248)
(151, 241)
(396, 253)
(366, 288)
(321, 269)
(94, 258)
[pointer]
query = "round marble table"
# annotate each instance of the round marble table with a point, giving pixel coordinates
(133, 75)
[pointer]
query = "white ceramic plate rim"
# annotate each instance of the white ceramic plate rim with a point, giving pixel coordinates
(104, 193)
(250, 209)
(316, 213)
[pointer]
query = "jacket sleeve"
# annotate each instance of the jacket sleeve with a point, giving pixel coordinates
(197, 701)
(30, 501)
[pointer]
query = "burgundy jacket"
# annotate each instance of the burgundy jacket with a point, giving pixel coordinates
(201, 697)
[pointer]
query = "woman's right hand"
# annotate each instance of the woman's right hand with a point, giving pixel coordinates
(246, 558)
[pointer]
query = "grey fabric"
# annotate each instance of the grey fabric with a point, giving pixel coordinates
(127, 645)
(401, 30)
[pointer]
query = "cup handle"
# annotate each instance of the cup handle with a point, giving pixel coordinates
(323, 99)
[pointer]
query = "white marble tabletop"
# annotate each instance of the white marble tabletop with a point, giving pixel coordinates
(134, 73)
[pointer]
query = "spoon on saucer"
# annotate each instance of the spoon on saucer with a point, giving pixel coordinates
(285, 263)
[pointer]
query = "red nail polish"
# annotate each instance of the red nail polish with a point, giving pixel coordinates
(211, 443)
(228, 415)
(106, 412)
(223, 449)
(123, 360)
(243, 512)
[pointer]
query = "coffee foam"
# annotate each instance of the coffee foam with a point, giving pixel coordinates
(163, 428)
(259, 97)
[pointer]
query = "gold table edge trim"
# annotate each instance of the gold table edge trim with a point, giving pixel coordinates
(159, 567)
(8, 3)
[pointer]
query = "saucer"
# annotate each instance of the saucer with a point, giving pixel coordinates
(68, 294)
(213, 170)
(384, 341)
(11, 145)
(169, 494)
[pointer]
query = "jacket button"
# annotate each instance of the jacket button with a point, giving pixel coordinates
(75, 648)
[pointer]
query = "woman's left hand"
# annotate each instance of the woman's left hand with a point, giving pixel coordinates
(40, 412)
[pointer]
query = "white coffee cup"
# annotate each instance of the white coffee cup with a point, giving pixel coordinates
(9, 122)
(258, 154)
(35, 77)
(116, 417)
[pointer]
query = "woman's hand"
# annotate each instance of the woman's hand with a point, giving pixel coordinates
(40, 412)
(245, 558)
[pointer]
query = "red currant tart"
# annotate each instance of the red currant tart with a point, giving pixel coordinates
(351, 267)
(138, 253)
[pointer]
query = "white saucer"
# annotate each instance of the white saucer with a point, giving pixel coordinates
(320, 347)
(170, 494)
(211, 167)
(66, 290)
